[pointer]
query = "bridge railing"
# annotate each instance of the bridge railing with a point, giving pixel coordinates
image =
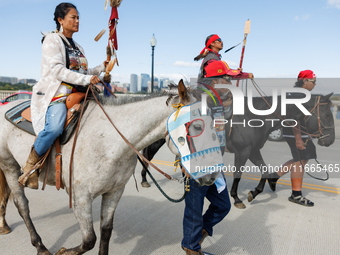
(5, 93)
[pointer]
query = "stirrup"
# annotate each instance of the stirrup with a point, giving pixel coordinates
(24, 177)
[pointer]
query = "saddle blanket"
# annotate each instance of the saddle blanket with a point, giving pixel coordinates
(15, 117)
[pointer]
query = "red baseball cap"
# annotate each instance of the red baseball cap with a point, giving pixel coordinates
(218, 68)
(306, 74)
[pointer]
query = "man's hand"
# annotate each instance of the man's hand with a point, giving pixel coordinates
(300, 145)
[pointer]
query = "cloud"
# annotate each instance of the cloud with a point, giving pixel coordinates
(334, 3)
(302, 17)
(187, 64)
(177, 76)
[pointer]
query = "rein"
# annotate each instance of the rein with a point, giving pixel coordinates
(90, 87)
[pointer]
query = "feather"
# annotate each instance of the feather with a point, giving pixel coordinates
(100, 35)
(110, 65)
(115, 3)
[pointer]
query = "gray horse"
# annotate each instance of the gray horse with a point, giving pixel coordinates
(142, 123)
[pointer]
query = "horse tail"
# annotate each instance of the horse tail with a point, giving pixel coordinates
(4, 190)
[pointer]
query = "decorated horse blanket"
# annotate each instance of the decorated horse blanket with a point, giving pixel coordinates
(195, 137)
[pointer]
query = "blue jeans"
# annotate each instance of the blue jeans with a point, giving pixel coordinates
(193, 221)
(54, 125)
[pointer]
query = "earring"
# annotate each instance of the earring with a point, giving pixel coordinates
(61, 28)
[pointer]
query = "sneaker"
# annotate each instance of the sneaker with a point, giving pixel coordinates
(301, 200)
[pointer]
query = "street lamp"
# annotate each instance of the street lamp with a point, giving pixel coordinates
(153, 43)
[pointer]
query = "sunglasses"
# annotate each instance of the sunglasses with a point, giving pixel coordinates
(219, 40)
(313, 81)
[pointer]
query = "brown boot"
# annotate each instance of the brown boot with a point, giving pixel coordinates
(30, 180)
(191, 252)
(204, 235)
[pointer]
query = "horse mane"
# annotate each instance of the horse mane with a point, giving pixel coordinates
(122, 100)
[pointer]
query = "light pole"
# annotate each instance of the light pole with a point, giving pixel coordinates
(153, 43)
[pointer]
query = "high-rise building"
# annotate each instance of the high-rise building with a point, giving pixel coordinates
(11, 80)
(145, 78)
(163, 82)
(133, 83)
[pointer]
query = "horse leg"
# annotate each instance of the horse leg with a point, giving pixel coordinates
(149, 152)
(83, 212)
(109, 204)
(4, 195)
(240, 160)
(144, 182)
(256, 159)
(21, 203)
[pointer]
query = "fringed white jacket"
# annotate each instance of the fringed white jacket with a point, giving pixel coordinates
(53, 72)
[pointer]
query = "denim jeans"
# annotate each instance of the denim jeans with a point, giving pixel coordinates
(193, 221)
(54, 124)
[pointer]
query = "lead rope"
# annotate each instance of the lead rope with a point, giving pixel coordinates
(159, 187)
(303, 167)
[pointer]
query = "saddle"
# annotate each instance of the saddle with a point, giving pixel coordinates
(20, 116)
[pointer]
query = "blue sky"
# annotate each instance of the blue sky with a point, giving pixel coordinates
(285, 36)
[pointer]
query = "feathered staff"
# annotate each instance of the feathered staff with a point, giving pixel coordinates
(112, 44)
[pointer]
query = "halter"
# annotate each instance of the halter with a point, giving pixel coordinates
(321, 126)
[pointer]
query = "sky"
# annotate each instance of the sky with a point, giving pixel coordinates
(285, 36)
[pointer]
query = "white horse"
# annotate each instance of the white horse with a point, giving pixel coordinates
(103, 163)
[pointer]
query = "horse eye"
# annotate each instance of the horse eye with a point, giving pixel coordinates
(197, 126)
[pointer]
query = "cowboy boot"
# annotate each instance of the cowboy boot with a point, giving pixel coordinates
(191, 252)
(30, 180)
(204, 235)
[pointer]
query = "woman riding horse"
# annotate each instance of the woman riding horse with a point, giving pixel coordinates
(63, 66)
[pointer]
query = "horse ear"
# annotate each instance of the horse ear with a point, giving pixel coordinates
(329, 95)
(182, 90)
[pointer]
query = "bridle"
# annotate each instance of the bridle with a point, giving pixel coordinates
(321, 126)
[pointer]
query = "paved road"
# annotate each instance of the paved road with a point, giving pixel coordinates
(146, 223)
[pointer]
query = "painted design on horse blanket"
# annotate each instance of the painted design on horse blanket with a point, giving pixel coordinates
(195, 137)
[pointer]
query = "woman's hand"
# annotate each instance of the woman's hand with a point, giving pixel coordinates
(95, 79)
(251, 76)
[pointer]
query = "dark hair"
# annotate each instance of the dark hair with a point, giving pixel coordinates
(299, 83)
(60, 12)
(200, 56)
(206, 40)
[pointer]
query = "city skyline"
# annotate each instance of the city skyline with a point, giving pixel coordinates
(285, 37)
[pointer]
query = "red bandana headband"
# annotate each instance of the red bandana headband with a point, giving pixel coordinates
(210, 41)
(306, 74)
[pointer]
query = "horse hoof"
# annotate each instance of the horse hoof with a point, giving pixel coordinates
(145, 185)
(5, 230)
(250, 196)
(240, 205)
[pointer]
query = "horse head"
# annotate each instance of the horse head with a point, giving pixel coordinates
(189, 133)
(321, 123)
